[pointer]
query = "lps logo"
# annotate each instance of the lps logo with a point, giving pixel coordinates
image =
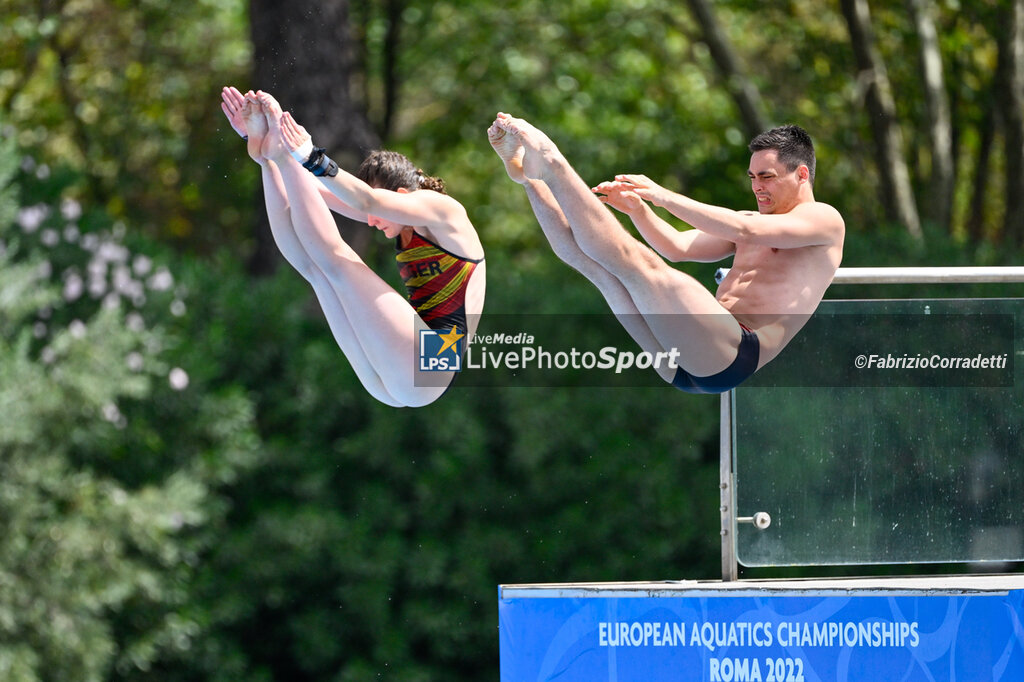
(440, 352)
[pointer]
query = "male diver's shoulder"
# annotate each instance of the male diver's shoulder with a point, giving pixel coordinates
(824, 211)
(824, 206)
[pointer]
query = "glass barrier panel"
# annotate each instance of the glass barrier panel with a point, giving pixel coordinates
(887, 432)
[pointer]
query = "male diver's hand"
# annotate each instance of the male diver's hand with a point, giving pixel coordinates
(620, 196)
(645, 188)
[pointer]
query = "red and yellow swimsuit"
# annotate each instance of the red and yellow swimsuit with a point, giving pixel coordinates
(436, 280)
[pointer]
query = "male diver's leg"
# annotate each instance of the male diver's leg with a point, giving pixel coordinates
(680, 312)
(559, 235)
(556, 229)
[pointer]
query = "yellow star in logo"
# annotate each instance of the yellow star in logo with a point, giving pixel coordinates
(449, 339)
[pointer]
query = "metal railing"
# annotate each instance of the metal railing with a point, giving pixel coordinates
(922, 275)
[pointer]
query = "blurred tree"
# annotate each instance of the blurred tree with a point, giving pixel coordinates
(125, 93)
(739, 85)
(894, 182)
(1009, 95)
(305, 54)
(81, 82)
(936, 104)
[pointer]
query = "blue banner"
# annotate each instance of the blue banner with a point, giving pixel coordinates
(767, 637)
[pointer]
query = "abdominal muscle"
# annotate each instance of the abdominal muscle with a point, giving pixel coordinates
(775, 291)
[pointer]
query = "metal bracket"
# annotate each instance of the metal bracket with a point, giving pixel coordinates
(760, 520)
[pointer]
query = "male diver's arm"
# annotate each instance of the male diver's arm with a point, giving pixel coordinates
(675, 245)
(808, 224)
(669, 242)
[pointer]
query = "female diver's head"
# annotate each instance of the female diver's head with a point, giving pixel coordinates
(391, 170)
(394, 171)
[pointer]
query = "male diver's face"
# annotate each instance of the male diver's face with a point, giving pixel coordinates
(775, 188)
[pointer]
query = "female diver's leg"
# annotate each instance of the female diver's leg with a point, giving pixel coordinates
(292, 250)
(381, 321)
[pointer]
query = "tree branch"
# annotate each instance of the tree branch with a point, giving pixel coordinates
(742, 90)
(940, 127)
(897, 195)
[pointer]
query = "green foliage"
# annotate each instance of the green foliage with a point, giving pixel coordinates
(125, 94)
(107, 474)
(591, 74)
(370, 540)
(193, 484)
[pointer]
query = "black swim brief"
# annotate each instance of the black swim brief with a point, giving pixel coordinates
(740, 370)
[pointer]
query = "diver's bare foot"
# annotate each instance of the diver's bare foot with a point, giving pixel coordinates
(510, 149)
(540, 153)
(256, 126)
(273, 147)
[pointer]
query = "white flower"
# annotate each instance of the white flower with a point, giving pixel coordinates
(162, 280)
(125, 285)
(110, 412)
(97, 286)
(142, 265)
(73, 287)
(97, 268)
(135, 322)
(70, 209)
(31, 217)
(178, 379)
(114, 416)
(112, 252)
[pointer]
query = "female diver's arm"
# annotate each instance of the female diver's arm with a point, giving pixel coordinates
(431, 209)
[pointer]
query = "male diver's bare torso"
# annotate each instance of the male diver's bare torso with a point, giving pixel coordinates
(774, 291)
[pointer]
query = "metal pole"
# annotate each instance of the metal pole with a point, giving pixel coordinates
(727, 496)
(923, 275)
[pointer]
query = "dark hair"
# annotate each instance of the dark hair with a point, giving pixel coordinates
(391, 170)
(792, 143)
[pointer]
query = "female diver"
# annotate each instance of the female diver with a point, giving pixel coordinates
(439, 255)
